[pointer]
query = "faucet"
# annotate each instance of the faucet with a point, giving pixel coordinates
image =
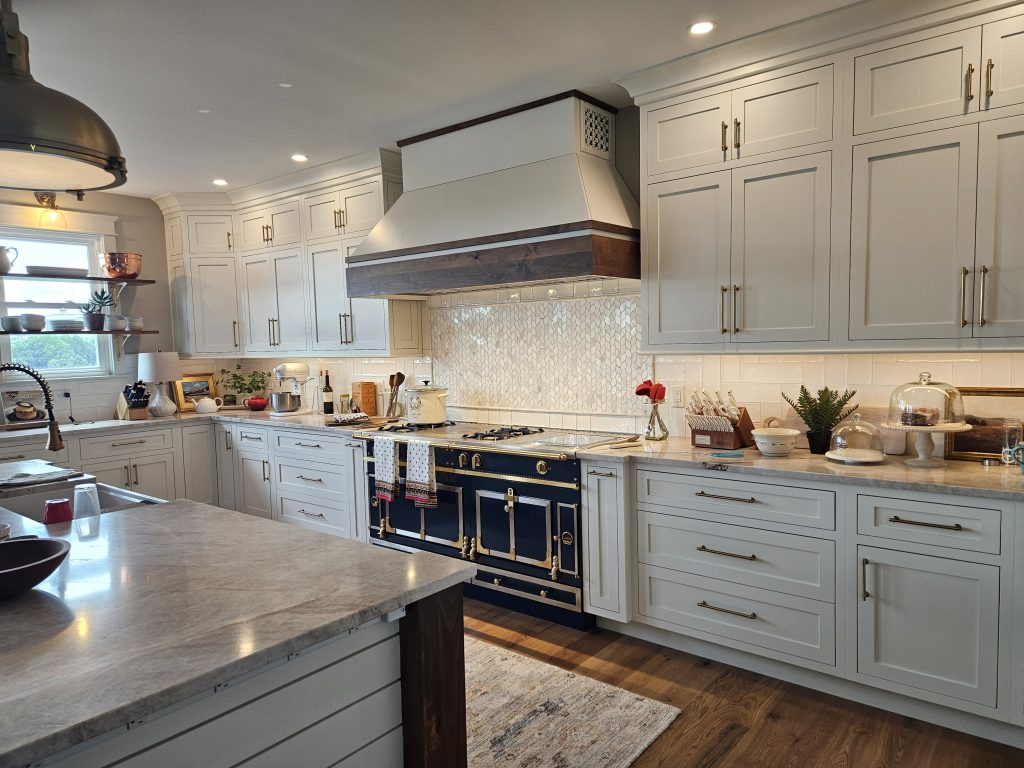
(54, 442)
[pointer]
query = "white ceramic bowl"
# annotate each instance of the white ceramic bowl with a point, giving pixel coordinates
(11, 323)
(135, 323)
(775, 441)
(33, 322)
(114, 323)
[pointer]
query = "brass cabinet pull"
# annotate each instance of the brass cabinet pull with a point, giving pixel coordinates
(126, 442)
(266, 468)
(270, 233)
(308, 445)
(344, 218)
(311, 514)
(252, 437)
(229, 240)
(970, 82)
(127, 477)
(341, 328)
(227, 441)
(702, 548)
(270, 332)
(964, 271)
(12, 458)
(309, 479)
(864, 594)
(988, 78)
(135, 470)
(595, 473)
(721, 309)
(735, 304)
(234, 331)
(747, 500)
(266, 234)
(943, 526)
(736, 134)
(337, 219)
(725, 136)
(706, 604)
(981, 303)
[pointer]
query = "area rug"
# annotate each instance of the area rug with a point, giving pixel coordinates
(523, 713)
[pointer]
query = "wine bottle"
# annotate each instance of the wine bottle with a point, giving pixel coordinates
(328, 394)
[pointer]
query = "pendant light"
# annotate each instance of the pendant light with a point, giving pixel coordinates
(48, 140)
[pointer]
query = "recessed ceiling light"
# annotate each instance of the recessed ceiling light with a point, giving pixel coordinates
(284, 85)
(220, 182)
(204, 111)
(701, 27)
(299, 158)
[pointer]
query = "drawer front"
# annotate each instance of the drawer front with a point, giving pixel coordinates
(538, 590)
(739, 498)
(320, 515)
(311, 445)
(783, 623)
(304, 477)
(128, 444)
(253, 438)
(781, 562)
(33, 450)
(945, 525)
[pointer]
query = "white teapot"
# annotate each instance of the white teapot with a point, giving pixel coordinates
(208, 405)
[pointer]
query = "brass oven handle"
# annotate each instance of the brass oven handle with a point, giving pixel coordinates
(864, 594)
(309, 479)
(988, 78)
(964, 271)
(735, 304)
(706, 604)
(736, 134)
(127, 442)
(970, 82)
(702, 548)
(942, 526)
(721, 309)
(725, 136)
(981, 304)
(747, 500)
(234, 331)
(229, 240)
(310, 514)
(600, 474)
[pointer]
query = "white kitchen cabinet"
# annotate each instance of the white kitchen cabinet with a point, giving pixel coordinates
(690, 134)
(116, 472)
(912, 236)
(181, 311)
(929, 623)
(605, 543)
(999, 272)
(321, 215)
(259, 302)
(174, 237)
(199, 457)
(270, 226)
(151, 475)
(1002, 57)
(214, 293)
(251, 231)
(209, 233)
(348, 210)
(783, 113)
(223, 435)
(275, 308)
(330, 308)
(916, 82)
(254, 492)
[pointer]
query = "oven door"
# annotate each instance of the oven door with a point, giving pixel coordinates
(515, 527)
(443, 525)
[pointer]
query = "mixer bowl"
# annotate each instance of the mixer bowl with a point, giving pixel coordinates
(284, 402)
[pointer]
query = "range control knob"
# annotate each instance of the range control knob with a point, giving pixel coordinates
(542, 467)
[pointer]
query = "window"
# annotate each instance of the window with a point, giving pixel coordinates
(54, 355)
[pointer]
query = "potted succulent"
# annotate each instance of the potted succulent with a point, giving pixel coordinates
(92, 310)
(253, 383)
(821, 414)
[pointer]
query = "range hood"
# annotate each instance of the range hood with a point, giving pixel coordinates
(530, 194)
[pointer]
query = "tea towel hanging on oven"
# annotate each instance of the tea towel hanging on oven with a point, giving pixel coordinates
(385, 467)
(420, 479)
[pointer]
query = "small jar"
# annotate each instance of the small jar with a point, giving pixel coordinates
(344, 403)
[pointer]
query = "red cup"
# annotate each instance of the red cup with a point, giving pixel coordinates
(56, 511)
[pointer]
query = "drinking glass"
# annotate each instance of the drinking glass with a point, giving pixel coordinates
(1013, 435)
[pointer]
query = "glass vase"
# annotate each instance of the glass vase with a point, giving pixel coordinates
(656, 429)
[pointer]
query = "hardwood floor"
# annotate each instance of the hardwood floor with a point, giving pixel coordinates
(732, 718)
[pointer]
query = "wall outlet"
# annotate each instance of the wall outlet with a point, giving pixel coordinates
(674, 393)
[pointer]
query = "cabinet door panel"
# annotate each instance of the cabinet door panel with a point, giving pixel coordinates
(215, 304)
(1000, 312)
(154, 476)
(781, 235)
(251, 230)
(320, 216)
(209, 234)
(260, 302)
(181, 313)
(369, 321)
(904, 631)
(253, 489)
(786, 112)
(686, 259)
(290, 328)
(917, 82)
(689, 134)
(174, 237)
(1003, 45)
(362, 207)
(224, 437)
(329, 302)
(115, 473)
(199, 455)
(604, 546)
(284, 221)
(912, 235)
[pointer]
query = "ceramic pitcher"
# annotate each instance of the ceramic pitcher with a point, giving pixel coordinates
(6, 262)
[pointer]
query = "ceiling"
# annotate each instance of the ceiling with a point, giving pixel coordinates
(364, 74)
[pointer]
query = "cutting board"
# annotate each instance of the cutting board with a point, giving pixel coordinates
(32, 471)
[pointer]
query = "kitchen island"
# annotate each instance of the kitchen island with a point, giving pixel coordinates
(189, 634)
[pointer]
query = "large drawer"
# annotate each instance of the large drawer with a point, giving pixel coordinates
(926, 522)
(311, 445)
(320, 515)
(738, 498)
(782, 562)
(253, 438)
(32, 449)
(299, 476)
(791, 625)
(127, 444)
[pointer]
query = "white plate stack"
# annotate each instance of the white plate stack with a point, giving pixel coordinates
(64, 324)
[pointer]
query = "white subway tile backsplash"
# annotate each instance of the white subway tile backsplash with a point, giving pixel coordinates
(996, 370)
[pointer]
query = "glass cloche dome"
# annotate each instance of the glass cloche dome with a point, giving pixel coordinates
(926, 403)
(856, 441)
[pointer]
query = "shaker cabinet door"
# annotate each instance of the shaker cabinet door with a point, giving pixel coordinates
(289, 299)
(181, 311)
(686, 135)
(330, 315)
(779, 114)
(361, 207)
(210, 234)
(321, 215)
(252, 231)
(284, 222)
(1002, 57)
(215, 304)
(260, 302)
(253, 491)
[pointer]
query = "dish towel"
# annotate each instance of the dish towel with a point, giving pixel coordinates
(420, 480)
(385, 467)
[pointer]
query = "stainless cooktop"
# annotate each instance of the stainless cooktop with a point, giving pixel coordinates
(463, 433)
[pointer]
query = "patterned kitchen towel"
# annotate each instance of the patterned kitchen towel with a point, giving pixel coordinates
(420, 480)
(385, 467)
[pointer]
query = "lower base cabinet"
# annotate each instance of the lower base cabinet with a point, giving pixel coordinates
(200, 462)
(254, 493)
(224, 440)
(149, 475)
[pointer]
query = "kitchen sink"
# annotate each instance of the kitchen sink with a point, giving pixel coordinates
(112, 499)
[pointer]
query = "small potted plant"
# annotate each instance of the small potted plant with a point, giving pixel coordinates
(253, 383)
(92, 310)
(821, 414)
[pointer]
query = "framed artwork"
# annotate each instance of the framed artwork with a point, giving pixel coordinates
(191, 388)
(22, 409)
(986, 409)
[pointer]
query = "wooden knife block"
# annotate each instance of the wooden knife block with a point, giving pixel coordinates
(124, 413)
(741, 435)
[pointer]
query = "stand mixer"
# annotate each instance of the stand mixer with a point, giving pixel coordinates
(290, 403)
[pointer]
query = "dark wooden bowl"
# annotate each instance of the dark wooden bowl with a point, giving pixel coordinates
(26, 562)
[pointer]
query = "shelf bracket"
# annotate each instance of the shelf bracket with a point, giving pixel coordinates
(120, 339)
(115, 292)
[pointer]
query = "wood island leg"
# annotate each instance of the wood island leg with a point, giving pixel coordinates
(434, 682)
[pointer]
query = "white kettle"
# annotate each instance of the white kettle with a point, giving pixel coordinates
(425, 405)
(6, 262)
(208, 405)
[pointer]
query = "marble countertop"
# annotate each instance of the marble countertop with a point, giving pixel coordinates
(168, 601)
(960, 478)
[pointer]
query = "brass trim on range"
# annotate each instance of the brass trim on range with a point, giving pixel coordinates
(511, 478)
(487, 575)
(488, 449)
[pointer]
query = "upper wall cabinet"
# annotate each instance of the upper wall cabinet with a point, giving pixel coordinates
(787, 112)
(1002, 54)
(174, 236)
(209, 234)
(342, 211)
(269, 226)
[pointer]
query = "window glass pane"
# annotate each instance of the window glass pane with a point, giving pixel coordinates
(49, 254)
(47, 352)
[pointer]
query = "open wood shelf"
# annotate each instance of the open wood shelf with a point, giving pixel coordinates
(76, 333)
(97, 279)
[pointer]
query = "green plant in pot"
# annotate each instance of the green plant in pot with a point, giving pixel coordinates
(821, 414)
(92, 310)
(253, 383)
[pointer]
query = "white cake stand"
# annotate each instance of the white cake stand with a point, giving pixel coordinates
(924, 443)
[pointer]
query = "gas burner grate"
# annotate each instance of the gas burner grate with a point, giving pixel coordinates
(413, 427)
(502, 433)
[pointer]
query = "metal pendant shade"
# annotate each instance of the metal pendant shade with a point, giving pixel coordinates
(48, 140)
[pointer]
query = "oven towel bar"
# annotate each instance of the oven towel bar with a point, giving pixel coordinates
(420, 478)
(385, 453)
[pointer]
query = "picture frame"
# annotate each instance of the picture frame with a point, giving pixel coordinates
(193, 387)
(986, 409)
(16, 405)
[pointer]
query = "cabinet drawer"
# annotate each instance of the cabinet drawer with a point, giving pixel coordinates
(253, 438)
(311, 445)
(128, 444)
(781, 562)
(739, 498)
(926, 522)
(309, 478)
(538, 590)
(10, 451)
(328, 517)
(791, 625)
